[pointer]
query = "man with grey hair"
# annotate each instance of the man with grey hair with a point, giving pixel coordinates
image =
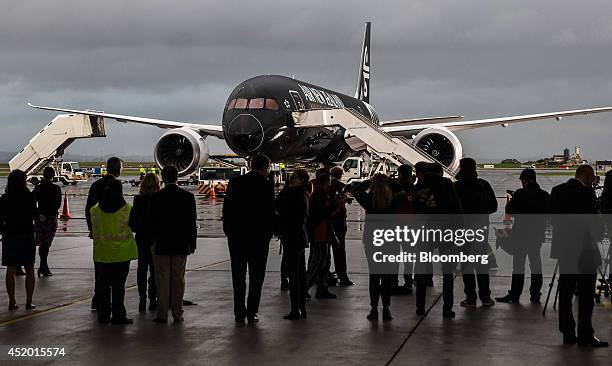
(574, 245)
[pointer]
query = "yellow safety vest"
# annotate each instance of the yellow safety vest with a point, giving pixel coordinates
(113, 240)
(142, 170)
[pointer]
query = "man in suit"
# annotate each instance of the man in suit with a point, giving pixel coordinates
(576, 230)
(113, 171)
(173, 225)
(529, 206)
(248, 223)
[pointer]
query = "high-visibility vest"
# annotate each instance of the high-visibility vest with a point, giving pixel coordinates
(143, 170)
(113, 240)
(153, 170)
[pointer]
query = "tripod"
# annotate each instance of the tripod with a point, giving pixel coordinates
(550, 286)
(604, 283)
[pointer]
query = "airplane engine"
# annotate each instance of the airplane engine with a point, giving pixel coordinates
(182, 147)
(441, 144)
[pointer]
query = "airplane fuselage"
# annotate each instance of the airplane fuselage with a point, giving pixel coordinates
(257, 119)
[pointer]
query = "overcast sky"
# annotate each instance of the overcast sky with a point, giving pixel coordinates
(180, 60)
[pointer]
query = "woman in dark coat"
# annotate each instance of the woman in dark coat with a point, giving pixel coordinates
(377, 198)
(17, 212)
(140, 224)
(48, 198)
(292, 208)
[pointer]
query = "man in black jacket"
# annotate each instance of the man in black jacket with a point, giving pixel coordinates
(173, 217)
(113, 171)
(574, 245)
(248, 223)
(337, 192)
(49, 200)
(529, 206)
(478, 202)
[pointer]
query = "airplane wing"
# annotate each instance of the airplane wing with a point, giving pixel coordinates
(417, 121)
(212, 130)
(412, 129)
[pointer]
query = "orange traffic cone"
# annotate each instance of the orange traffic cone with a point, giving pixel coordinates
(66, 210)
(213, 194)
(507, 218)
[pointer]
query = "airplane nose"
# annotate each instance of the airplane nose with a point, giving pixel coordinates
(246, 133)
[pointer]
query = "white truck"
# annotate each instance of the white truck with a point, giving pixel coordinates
(358, 169)
(66, 172)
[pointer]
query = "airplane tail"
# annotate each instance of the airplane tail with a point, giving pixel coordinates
(362, 91)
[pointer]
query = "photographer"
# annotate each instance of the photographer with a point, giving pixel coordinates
(574, 245)
(337, 192)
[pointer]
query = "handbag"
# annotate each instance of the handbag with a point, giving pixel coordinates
(505, 240)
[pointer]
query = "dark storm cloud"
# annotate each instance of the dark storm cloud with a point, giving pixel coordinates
(180, 60)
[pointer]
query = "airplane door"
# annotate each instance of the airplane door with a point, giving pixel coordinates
(297, 100)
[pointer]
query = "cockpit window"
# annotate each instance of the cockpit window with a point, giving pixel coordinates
(231, 104)
(256, 103)
(271, 104)
(241, 103)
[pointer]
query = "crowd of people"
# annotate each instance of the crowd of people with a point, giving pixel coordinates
(162, 219)
(311, 213)
(306, 214)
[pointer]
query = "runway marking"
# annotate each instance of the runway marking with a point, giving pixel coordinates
(66, 305)
(413, 330)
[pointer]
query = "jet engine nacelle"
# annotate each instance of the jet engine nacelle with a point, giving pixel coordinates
(182, 147)
(442, 145)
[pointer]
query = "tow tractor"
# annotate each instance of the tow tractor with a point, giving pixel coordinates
(217, 178)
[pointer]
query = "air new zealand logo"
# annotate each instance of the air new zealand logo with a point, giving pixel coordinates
(365, 73)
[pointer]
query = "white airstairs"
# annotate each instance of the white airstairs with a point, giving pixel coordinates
(398, 150)
(49, 144)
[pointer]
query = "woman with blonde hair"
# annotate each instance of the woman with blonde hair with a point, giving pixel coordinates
(376, 197)
(140, 223)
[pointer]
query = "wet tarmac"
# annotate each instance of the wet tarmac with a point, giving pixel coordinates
(335, 333)
(209, 211)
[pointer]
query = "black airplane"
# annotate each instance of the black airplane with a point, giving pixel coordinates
(259, 118)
